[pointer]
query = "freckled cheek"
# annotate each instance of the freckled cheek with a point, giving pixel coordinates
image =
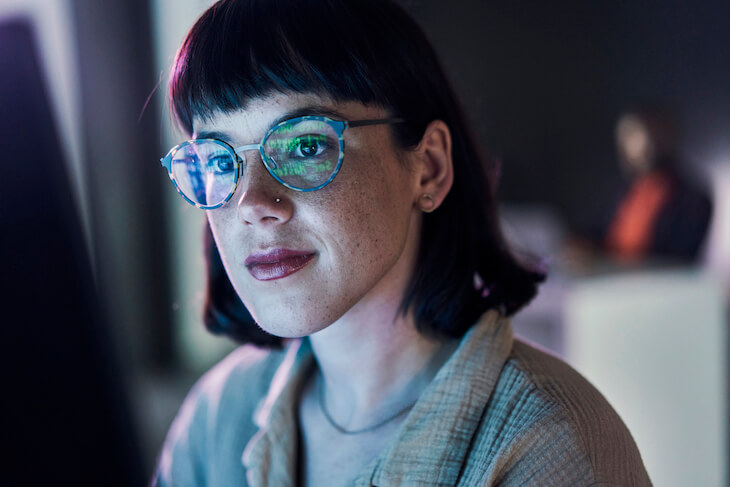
(367, 236)
(358, 213)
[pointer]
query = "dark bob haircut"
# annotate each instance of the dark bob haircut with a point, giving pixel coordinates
(372, 52)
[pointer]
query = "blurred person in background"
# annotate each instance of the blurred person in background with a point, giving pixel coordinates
(659, 213)
(352, 217)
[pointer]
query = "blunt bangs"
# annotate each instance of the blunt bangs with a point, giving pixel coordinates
(242, 50)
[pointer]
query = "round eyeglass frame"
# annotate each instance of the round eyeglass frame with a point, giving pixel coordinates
(339, 126)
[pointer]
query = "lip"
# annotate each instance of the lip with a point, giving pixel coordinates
(277, 263)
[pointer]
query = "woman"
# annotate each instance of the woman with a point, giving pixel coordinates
(348, 207)
(659, 213)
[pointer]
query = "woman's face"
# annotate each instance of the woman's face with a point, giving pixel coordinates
(635, 147)
(302, 260)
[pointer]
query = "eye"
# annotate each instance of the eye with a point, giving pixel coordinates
(220, 164)
(309, 146)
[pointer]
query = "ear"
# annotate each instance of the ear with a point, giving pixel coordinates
(434, 167)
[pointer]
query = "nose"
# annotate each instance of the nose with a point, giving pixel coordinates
(262, 200)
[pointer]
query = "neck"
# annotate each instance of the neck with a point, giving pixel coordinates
(374, 362)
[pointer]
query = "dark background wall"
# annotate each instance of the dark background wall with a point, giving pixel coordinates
(544, 83)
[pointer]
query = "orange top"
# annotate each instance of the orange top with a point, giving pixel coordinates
(630, 233)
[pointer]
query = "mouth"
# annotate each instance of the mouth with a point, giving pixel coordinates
(277, 263)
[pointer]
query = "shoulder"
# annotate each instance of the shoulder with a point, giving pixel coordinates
(547, 425)
(216, 416)
(242, 378)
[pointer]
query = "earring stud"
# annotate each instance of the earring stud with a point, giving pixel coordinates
(277, 200)
(427, 203)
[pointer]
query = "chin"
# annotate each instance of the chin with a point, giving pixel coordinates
(286, 323)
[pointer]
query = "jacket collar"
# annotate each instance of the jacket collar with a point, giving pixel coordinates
(434, 441)
(270, 458)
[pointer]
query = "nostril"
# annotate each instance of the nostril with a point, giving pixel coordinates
(264, 204)
(258, 218)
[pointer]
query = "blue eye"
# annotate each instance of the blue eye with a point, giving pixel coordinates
(221, 164)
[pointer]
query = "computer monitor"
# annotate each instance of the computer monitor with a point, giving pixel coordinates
(65, 409)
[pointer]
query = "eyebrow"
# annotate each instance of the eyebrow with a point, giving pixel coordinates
(318, 110)
(222, 136)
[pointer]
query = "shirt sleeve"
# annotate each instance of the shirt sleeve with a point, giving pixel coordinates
(207, 438)
(182, 459)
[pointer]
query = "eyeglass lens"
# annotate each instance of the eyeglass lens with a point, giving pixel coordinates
(205, 171)
(303, 154)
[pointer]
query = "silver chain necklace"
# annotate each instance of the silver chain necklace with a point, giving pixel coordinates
(344, 431)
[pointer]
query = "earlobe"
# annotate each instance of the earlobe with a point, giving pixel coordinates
(435, 166)
(426, 203)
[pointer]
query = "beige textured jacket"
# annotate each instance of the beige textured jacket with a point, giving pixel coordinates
(499, 412)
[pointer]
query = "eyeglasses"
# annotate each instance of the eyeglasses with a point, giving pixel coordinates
(303, 154)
